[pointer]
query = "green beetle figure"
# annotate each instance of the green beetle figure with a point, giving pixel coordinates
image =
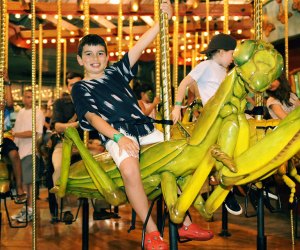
(220, 138)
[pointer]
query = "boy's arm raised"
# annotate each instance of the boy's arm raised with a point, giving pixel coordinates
(136, 51)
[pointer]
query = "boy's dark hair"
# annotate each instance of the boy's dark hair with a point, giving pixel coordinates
(91, 39)
(283, 92)
(71, 75)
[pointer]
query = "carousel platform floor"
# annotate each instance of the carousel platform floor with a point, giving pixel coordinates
(112, 234)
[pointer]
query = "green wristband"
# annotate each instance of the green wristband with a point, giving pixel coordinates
(117, 137)
(178, 103)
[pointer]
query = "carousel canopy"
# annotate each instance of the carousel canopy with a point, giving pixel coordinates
(104, 21)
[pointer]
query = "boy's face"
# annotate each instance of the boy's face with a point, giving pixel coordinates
(94, 60)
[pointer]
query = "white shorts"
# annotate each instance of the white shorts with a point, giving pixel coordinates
(113, 147)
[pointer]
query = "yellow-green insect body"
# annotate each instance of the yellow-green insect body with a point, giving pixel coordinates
(220, 138)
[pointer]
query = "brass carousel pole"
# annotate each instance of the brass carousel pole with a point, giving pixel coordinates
(130, 44)
(286, 50)
(184, 44)
(261, 238)
(202, 41)
(226, 18)
(286, 37)
(86, 13)
(207, 20)
(58, 49)
(175, 47)
(258, 36)
(3, 40)
(6, 44)
(120, 29)
(4, 21)
(193, 58)
(194, 61)
(65, 64)
(86, 31)
(85, 205)
(33, 86)
(158, 51)
(165, 71)
(40, 63)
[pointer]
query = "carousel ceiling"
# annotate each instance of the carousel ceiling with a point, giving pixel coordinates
(104, 20)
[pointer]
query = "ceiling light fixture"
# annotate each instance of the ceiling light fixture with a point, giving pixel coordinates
(134, 5)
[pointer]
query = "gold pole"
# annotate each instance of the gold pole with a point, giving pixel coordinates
(33, 86)
(130, 45)
(65, 65)
(6, 43)
(207, 20)
(292, 226)
(3, 40)
(158, 51)
(193, 58)
(40, 63)
(184, 52)
(165, 71)
(175, 47)
(58, 49)
(86, 29)
(258, 36)
(120, 29)
(86, 14)
(184, 44)
(202, 41)
(286, 48)
(226, 18)
(286, 37)
(194, 61)
(258, 19)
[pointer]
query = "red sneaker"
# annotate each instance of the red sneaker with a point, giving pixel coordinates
(194, 232)
(153, 241)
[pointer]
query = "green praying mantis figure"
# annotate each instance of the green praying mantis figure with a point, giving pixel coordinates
(219, 139)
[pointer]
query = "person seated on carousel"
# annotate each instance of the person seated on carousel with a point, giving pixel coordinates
(64, 116)
(105, 102)
(208, 76)
(9, 148)
(281, 100)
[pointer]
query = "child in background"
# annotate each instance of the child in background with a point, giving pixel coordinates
(208, 75)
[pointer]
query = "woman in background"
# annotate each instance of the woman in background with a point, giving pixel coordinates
(281, 99)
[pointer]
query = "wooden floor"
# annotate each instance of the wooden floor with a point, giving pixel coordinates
(112, 234)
